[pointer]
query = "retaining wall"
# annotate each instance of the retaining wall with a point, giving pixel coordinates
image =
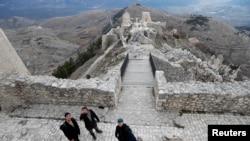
(19, 90)
(233, 97)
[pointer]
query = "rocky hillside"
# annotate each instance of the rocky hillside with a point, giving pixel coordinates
(43, 45)
(216, 37)
(75, 32)
(40, 49)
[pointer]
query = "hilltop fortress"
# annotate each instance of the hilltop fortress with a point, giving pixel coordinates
(160, 89)
(181, 80)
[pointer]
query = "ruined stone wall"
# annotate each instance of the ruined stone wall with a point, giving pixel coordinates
(146, 17)
(173, 71)
(108, 40)
(233, 97)
(19, 90)
(126, 19)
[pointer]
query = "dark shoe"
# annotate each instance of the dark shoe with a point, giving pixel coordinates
(92, 134)
(99, 131)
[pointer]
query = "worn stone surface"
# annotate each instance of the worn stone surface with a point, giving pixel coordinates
(181, 65)
(21, 90)
(23, 129)
(194, 127)
(108, 40)
(204, 97)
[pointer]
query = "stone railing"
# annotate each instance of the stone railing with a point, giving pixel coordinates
(152, 64)
(19, 90)
(124, 65)
(197, 96)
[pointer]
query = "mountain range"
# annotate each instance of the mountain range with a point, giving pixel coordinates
(46, 44)
(235, 12)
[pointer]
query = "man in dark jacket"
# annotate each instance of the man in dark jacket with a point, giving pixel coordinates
(70, 128)
(123, 132)
(90, 118)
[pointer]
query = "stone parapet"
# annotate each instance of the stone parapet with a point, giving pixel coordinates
(195, 96)
(19, 90)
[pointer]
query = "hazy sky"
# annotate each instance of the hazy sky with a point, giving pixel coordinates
(237, 11)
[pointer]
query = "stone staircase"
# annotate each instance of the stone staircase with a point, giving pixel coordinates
(136, 103)
(136, 106)
(138, 73)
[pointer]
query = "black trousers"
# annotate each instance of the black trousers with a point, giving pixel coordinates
(76, 139)
(91, 131)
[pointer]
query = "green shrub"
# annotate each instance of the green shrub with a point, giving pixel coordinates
(65, 70)
(196, 20)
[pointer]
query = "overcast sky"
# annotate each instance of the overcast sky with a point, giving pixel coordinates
(230, 10)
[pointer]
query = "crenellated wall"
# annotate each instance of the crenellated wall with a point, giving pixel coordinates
(19, 90)
(232, 97)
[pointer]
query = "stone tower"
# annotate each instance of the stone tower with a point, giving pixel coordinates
(10, 62)
(146, 17)
(126, 19)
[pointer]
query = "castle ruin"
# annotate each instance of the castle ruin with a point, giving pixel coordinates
(146, 17)
(126, 20)
(147, 80)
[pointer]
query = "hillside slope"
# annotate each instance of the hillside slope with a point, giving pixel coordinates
(71, 33)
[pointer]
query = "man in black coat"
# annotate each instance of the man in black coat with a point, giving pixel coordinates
(70, 128)
(123, 132)
(90, 118)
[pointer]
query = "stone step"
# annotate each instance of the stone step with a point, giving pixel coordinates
(138, 72)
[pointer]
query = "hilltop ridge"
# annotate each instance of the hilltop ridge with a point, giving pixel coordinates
(76, 32)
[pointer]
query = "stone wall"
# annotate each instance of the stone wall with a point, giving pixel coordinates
(108, 40)
(231, 97)
(146, 17)
(181, 65)
(19, 90)
(174, 72)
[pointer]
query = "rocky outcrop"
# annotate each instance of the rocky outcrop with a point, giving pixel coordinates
(108, 40)
(181, 65)
(143, 35)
